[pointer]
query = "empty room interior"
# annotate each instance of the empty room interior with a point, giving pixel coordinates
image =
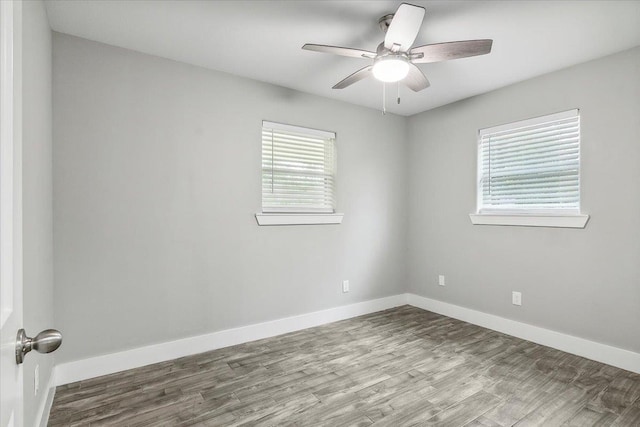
(319, 213)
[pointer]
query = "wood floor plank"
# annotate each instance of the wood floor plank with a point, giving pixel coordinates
(630, 417)
(622, 391)
(398, 367)
(483, 421)
(557, 408)
(590, 417)
(464, 411)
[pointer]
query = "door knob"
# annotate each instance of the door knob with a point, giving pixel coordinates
(45, 342)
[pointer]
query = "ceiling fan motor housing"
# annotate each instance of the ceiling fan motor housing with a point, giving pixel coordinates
(381, 51)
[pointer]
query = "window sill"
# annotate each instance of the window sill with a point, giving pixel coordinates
(298, 218)
(558, 221)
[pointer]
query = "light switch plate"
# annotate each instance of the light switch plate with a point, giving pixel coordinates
(345, 286)
(516, 298)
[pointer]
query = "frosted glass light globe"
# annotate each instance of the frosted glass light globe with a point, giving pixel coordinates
(390, 69)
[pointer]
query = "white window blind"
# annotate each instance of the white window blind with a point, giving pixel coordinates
(298, 169)
(531, 166)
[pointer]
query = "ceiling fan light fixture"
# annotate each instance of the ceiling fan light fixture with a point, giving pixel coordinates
(390, 69)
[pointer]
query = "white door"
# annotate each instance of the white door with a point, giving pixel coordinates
(10, 213)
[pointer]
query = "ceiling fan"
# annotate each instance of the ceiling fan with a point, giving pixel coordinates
(394, 59)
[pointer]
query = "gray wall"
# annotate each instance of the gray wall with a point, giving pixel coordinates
(37, 190)
(581, 282)
(156, 183)
(157, 178)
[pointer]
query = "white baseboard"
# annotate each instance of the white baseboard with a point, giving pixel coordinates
(613, 356)
(110, 363)
(45, 407)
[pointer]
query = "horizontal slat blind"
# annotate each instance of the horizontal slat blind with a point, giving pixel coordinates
(531, 166)
(298, 169)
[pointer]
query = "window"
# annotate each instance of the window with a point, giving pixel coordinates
(531, 167)
(298, 174)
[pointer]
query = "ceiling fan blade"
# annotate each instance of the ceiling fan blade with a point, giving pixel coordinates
(355, 77)
(451, 50)
(416, 80)
(404, 27)
(336, 50)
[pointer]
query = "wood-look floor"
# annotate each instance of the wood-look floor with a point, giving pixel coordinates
(398, 367)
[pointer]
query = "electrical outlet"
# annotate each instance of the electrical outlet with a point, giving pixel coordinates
(345, 286)
(516, 298)
(441, 281)
(36, 380)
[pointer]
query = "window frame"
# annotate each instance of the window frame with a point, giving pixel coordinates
(286, 215)
(534, 217)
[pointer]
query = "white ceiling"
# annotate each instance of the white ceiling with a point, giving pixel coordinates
(262, 39)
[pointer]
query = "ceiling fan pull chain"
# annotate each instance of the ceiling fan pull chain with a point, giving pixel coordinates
(384, 99)
(398, 93)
